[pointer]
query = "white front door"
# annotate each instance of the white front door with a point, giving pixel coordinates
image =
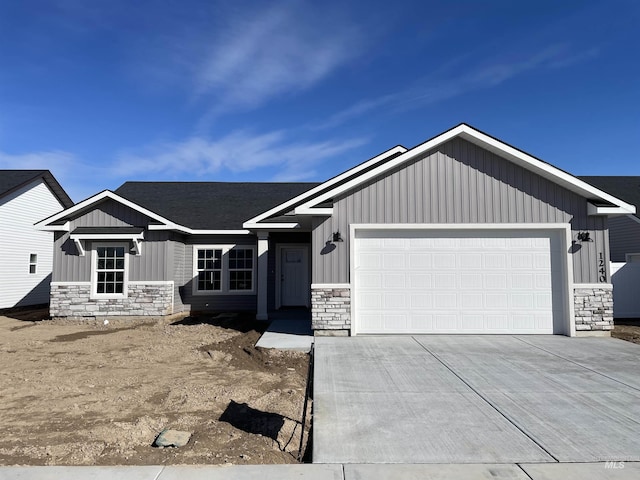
(294, 273)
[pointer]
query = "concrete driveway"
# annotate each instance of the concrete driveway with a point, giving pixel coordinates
(476, 399)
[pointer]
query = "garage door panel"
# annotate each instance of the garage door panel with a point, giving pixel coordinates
(393, 261)
(394, 281)
(421, 301)
(446, 284)
(419, 281)
(471, 281)
(420, 261)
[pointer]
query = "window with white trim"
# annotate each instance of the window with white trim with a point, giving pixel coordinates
(226, 269)
(240, 269)
(33, 263)
(209, 267)
(110, 270)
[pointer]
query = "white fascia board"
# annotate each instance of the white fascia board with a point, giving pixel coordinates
(541, 168)
(406, 156)
(489, 143)
(217, 232)
(323, 212)
(322, 186)
(107, 236)
(53, 228)
(601, 210)
(97, 198)
(191, 231)
(460, 226)
(270, 226)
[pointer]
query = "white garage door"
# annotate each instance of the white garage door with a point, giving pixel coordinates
(434, 281)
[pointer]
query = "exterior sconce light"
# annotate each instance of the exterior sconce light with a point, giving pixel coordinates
(584, 237)
(337, 237)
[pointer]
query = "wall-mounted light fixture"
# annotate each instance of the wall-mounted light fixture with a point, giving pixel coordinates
(337, 237)
(584, 237)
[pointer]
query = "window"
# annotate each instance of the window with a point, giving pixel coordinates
(224, 269)
(110, 262)
(209, 269)
(633, 257)
(240, 269)
(33, 262)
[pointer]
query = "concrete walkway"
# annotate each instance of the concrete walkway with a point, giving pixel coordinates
(476, 399)
(549, 471)
(288, 334)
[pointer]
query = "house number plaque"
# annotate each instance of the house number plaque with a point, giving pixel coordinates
(602, 270)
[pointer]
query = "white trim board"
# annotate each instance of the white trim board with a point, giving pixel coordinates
(165, 224)
(564, 230)
(493, 145)
(353, 171)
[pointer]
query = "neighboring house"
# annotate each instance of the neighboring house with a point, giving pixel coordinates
(461, 234)
(624, 243)
(26, 254)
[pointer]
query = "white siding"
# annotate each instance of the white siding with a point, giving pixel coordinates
(18, 240)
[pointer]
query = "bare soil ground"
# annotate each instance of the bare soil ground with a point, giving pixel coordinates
(627, 329)
(84, 393)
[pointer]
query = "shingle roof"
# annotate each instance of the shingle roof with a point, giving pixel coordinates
(624, 188)
(210, 205)
(11, 180)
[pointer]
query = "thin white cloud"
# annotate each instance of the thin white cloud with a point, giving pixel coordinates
(237, 152)
(286, 48)
(448, 83)
(56, 161)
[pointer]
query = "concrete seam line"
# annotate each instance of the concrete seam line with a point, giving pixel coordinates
(524, 471)
(578, 364)
(159, 473)
(512, 422)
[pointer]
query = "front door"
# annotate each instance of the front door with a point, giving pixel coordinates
(294, 273)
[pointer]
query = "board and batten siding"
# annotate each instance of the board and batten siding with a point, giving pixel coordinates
(456, 183)
(214, 302)
(154, 264)
(624, 237)
(19, 211)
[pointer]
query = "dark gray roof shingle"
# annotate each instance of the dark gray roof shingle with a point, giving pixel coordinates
(210, 205)
(11, 180)
(624, 188)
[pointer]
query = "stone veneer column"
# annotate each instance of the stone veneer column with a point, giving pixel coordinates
(143, 299)
(331, 309)
(593, 304)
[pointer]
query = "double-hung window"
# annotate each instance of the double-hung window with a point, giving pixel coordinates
(209, 267)
(226, 269)
(110, 270)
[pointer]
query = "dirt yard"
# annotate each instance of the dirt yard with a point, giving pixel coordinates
(627, 329)
(93, 394)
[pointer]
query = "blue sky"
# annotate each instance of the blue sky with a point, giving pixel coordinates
(101, 92)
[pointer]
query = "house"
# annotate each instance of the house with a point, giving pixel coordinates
(26, 254)
(624, 245)
(460, 234)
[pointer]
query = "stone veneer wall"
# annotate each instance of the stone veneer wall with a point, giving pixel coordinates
(143, 299)
(593, 307)
(330, 308)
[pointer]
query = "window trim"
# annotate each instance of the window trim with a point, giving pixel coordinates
(629, 257)
(33, 263)
(224, 275)
(94, 271)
